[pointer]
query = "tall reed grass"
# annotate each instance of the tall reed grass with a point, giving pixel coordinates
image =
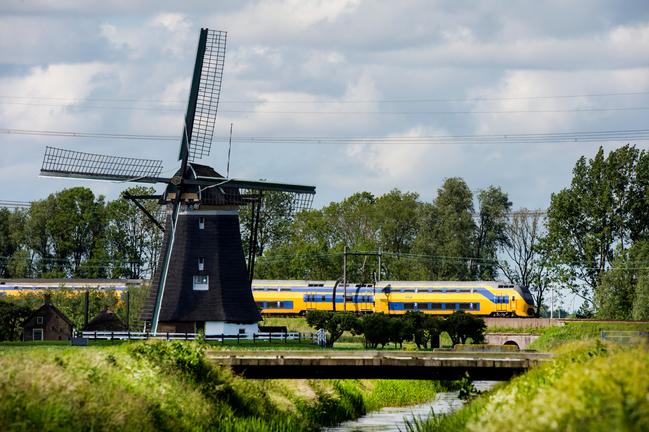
(150, 386)
(589, 387)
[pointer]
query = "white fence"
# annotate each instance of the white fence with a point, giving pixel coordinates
(256, 337)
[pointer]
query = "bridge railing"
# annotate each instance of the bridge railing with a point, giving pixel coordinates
(625, 337)
(255, 337)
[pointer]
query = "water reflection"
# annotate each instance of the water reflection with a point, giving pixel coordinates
(393, 419)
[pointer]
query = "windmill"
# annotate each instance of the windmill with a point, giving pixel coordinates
(201, 281)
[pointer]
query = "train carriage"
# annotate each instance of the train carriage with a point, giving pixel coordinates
(486, 298)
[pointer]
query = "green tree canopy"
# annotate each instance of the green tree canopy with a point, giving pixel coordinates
(447, 233)
(603, 209)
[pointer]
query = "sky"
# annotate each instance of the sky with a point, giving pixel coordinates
(328, 69)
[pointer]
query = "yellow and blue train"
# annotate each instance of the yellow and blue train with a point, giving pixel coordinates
(295, 297)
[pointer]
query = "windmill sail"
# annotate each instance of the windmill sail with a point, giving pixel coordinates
(69, 163)
(204, 95)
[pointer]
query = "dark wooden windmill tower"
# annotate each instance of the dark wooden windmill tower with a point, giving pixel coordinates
(201, 281)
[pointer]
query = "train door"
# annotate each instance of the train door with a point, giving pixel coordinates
(501, 302)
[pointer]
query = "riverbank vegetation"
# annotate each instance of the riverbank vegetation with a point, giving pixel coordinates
(148, 386)
(589, 386)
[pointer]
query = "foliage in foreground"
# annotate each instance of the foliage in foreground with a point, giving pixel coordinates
(590, 386)
(149, 386)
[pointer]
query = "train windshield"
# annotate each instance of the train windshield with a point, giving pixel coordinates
(526, 294)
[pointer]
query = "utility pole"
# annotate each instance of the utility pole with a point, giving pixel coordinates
(551, 301)
(345, 279)
(378, 274)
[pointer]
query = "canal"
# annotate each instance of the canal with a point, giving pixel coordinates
(393, 419)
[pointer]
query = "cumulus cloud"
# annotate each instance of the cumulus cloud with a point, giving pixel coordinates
(343, 68)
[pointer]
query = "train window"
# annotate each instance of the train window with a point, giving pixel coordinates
(260, 305)
(465, 306)
(436, 306)
(408, 306)
(284, 289)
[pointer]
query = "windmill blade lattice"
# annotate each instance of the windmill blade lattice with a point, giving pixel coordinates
(69, 163)
(209, 92)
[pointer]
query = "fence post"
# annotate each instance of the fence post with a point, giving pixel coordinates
(95, 334)
(111, 335)
(238, 338)
(167, 335)
(222, 338)
(254, 338)
(299, 337)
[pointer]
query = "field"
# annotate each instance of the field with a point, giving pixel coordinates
(591, 385)
(170, 386)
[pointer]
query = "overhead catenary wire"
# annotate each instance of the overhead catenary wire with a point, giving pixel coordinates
(261, 99)
(346, 112)
(480, 139)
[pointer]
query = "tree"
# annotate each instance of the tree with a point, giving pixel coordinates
(447, 232)
(375, 328)
(334, 323)
(12, 317)
(425, 329)
(133, 240)
(75, 228)
(461, 326)
(603, 210)
(494, 205)
(11, 238)
(397, 219)
(622, 291)
(274, 221)
(527, 264)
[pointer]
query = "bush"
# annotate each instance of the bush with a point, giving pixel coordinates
(425, 329)
(375, 328)
(334, 323)
(461, 326)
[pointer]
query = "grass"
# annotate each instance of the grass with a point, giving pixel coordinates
(148, 386)
(590, 386)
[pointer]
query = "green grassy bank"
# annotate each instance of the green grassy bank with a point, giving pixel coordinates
(147, 386)
(590, 386)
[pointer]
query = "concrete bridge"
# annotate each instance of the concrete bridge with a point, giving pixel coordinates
(437, 365)
(518, 340)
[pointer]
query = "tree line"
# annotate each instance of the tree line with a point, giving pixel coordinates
(593, 239)
(73, 233)
(379, 329)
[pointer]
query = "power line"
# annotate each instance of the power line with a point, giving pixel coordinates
(346, 112)
(517, 138)
(341, 101)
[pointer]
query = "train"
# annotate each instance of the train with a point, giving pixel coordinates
(296, 297)
(483, 298)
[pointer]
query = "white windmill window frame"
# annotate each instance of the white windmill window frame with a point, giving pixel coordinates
(201, 263)
(201, 223)
(201, 282)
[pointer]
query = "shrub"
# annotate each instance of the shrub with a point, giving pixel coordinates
(334, 323)
(461, 326)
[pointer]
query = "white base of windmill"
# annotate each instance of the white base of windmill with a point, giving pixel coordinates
(214, 328)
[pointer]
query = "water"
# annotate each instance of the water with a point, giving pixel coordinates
(393, 419)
